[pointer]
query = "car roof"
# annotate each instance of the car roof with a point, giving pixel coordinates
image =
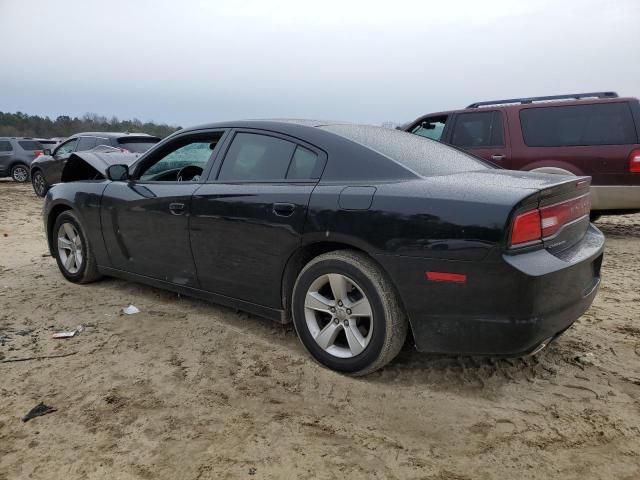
(264, 123)
(110, 134)
(18, 138)
(522, 106)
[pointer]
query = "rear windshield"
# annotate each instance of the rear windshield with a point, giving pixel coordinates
(30, 145)
(424, 156)
(596, 124)
(137, 145)
(47, 142)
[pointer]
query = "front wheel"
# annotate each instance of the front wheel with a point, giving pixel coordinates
(72, 249)
(347, 313)
(20, 173)
(39, 183)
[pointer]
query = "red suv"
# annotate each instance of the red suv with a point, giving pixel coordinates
(594, 134)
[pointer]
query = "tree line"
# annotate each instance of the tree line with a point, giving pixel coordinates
(23, 125)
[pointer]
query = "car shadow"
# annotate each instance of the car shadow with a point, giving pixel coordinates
(442, 372)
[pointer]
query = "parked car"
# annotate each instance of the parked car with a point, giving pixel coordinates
(16, 155)
(595, 134)
(356, 233)
(46, 170)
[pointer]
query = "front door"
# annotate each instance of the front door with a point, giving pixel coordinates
(482, 134)
(145, 220)
(249, 218)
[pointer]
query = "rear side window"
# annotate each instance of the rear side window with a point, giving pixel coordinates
(5, 146)
(599, 124)
(254, 157)
(29, 145)
(137, 145)
(478, 129)
(425, 157)
(85, 143)
(304, 164)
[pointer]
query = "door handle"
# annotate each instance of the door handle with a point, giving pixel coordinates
(176, 208)
(283, 209)
(498, 157)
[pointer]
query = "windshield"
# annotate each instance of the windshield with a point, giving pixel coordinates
(423, 156)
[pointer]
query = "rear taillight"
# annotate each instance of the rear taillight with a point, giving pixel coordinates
(526, 228)
(546, 221)
(555, 216)
(634, 161)
(38, 153)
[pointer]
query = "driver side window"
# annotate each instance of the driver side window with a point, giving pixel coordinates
(184, 161)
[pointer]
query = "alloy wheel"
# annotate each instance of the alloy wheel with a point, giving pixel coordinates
(338, 315)
(38, 184)
(20, 174)
(70, 248)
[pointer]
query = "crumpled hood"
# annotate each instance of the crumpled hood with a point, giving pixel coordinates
(93, 165)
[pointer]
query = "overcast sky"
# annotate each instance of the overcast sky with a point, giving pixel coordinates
(186, 62)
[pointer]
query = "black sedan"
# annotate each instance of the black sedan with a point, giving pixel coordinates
(47, 169)
(356, 233)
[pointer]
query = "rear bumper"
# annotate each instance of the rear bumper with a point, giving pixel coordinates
(615, 197)
(505, 308)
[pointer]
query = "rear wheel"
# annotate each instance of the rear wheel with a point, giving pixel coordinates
(39, 183)
(20, 173)
(72, 249)
(347, 313)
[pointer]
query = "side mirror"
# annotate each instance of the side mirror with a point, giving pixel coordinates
(118, 173)
(47, 151)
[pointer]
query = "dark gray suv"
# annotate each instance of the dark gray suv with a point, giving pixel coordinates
(16, 155)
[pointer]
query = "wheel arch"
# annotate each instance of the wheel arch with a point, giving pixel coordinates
(54, 213)
(555, 168)
(304, 254)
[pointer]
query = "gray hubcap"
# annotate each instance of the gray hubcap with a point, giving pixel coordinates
(338, 315)
(69, 248)
(20, 174)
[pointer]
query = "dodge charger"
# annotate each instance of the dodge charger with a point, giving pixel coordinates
(361, 236)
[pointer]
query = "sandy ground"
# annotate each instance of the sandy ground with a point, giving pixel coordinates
(189, 390)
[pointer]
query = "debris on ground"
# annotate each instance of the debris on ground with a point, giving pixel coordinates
(38, 411)
(586, 359)
(68, 334)
(131, 310)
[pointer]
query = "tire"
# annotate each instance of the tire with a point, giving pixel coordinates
(382, 333)
(81, 269)
(20, 173)
(39, 184)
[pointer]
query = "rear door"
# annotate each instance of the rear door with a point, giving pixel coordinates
(482, 133)
(249, 217)
(145, 220)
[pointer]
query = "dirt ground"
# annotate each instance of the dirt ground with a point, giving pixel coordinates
(189, 390)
